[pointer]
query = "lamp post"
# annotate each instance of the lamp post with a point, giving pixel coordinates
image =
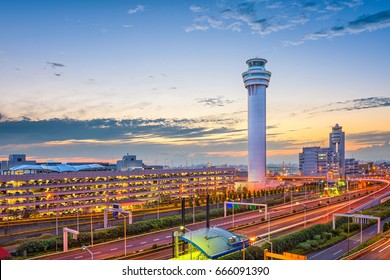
(85, 248)
(305, 191)
(327, 211)
(305, 207)
(269, 225)
(361, 227)
(56, 229)
(269, 242)
(193, 210)
(158, 204)
(291, 192)
(243, 249)
(124, 230)
(348, 235)
(78, 228)
(252, 239)
(233, 215)
(183, 229)
(91, 230)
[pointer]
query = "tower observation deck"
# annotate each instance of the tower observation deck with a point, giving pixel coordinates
(256, 80)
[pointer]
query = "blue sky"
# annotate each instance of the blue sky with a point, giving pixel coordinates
(93, 80)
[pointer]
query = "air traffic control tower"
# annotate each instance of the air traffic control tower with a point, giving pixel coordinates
(256, 81)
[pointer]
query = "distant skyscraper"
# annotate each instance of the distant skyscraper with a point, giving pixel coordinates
(337, 144)
(314, 161)
(256, 81)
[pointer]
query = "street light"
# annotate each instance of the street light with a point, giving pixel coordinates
(78, 229)
(124, 230)
(158, 204)
(305, 191)
(304, 205)
(269, 225)
(85, 248)
(348, 234)
(327, 211)
(91, 230)
(252, 239)
(193, 210)
(361, 227)
(183, 229)
(269, 242)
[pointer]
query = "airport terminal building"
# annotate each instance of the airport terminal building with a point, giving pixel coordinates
(64, 189)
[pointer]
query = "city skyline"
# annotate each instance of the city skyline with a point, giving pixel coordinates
(97, 80)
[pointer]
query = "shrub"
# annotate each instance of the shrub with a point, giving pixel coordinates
(305, 245)
(386, 226)
(317, 237)
(327, 235)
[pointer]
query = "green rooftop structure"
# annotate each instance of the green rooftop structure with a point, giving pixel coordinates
(210, 243)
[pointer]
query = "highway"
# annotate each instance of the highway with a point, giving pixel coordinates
(313, 215)
(380, 252)
(338, 250)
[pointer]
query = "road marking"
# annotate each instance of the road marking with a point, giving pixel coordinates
(113, 249)
(384, 248)
(157, 239)
(381, 245)
(96, 253)
(78, 257)
(129, 246)
(356, 241)
(143, 242)
(168, 236)
(371, 232)
(337, 252)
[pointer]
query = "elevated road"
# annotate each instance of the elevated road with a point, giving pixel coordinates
(278, 222)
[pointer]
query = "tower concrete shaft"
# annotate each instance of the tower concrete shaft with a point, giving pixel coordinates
(256, 81)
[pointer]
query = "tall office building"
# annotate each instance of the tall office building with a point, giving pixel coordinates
(317, 161)
(256, 80)
(314, 161)
(337, 144)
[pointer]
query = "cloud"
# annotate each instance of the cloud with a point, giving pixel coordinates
(196, 27)
(374, 152)
(310, 6)
(369, 137)
(26, 131)
(350, 105)
(214, 101)
(340, 5)
(364, 23)
(137, 9)
(246, 13)
(198, 9)
(111, 138)
(236, 26)
(275, 5)
(202, 23)
(55, 64)
(2, 117)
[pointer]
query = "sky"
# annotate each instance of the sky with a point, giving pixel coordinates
(94, 80)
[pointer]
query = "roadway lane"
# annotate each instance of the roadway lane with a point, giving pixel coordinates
(341, 248)
(381, 252)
